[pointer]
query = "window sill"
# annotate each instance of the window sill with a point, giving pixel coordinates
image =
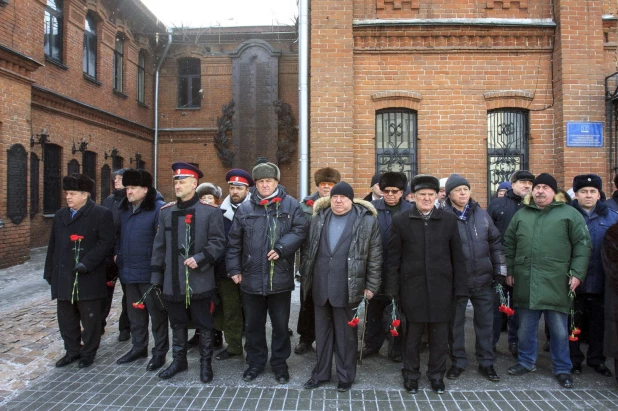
(188, 108)
(55, 62)
(92, 79)
(120, 94)
(144, 105)
(49, 215)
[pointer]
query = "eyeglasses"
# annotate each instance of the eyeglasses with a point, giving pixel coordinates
(327, 184)
(391, 192)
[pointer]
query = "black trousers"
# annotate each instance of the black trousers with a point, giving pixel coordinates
(589, 314)
(277, 307)
(72, 317)
(139, 320)
(334, 335)
(306, 318)
(438, 350)
(111, 272)
(198, 313)
(376, 332)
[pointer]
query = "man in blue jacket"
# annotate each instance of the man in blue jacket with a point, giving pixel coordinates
(589, 301)
(139, 217)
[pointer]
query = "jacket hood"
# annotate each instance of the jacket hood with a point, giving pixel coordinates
(149, 202)
(324, 203)
(559, 199)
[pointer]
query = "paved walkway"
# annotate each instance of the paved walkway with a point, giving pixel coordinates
(30, 344)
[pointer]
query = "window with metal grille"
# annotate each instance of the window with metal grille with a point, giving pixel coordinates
(53, 30)
(73, 167)
(396, 141)
(34, 184)
(189, 83)
(90, 46)
(106, 182)
(52, 178)
(89, 168)
(141, 77)
(507, 146)
(118, 63)
(117, 163)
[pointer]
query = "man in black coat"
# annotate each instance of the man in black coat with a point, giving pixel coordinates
(482, 247)
(501, 210)
(266, 232)
(426, 265)
(82, 236)
(112, 203)
(392, 185)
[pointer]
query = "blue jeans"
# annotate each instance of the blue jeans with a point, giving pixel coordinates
(559, 339)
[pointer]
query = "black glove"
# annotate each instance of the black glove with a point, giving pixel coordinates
(499, 280)
(48, 280)
(80, 268)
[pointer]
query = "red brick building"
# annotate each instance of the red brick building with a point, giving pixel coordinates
(77, 94)
(480, 88)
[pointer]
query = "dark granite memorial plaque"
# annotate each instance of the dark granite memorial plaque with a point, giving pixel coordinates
(255, 79)
(17, 183)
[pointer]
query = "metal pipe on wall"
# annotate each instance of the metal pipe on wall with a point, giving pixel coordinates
(156, 113)
(303, 97)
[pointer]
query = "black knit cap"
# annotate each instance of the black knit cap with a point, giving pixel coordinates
(342, 189)
(547, 179)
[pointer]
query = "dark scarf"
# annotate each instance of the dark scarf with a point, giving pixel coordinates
(186, 204)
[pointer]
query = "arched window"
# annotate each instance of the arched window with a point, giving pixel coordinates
(34, 184)
(52, 178)
(507, 146)
(396, 146)
(90, 46)
(106, 182)
(53, 30)
(141, 77)
(118, 63)
(189, 83)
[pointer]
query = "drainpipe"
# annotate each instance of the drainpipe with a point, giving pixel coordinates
(156, 120)
(303, 103)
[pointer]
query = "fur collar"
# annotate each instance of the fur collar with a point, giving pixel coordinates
(558, 198)
(324, 203)
(148, 204)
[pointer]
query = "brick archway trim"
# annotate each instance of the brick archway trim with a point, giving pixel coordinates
(508, 98)
(397, 98)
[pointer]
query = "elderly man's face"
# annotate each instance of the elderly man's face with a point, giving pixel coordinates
(392, 195)
(587, 197)
(118, 182)
(135, 194)
(543, 195)
(266, 186)
(238, 193)
(425, 199)
(340, 204)
(442, 194)
(376, 190)
(460, 196)
(522, 188)
(76, 199)
(185, 188)
(324, 188)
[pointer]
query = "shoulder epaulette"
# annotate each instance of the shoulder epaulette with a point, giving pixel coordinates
(205, 203)
(168, 205)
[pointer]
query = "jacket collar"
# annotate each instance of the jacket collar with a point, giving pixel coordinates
(189, 203)
(361, 206)
(228, 210)
(511, 194)
(84, 211)
(435, 215)
(148, 204)
(599, 210)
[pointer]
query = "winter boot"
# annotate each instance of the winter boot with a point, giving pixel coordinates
(206, 350)
(179, 354)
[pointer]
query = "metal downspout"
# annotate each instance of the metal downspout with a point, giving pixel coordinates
(156, 119)
(303, 104)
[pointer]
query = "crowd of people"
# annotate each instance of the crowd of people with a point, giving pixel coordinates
(411, 256)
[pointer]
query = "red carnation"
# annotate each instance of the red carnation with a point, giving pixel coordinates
(188, 218)
(310, 203)
(134, 305)
(355, 320)
(263, 202)
(394, 332)
(396, 323)
(75, 237)
(576, 331)
(573, 338)
(352, 323)
(277, 200)
(111, 283)
(212, 306)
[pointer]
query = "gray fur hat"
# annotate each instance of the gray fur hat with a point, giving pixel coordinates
(266, 170)
(209, 188)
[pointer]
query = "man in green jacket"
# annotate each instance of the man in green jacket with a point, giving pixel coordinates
(547, 248)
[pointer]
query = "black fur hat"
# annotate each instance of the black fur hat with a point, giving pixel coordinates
(327, 174)
(138, 178)
(587, 180)
(393, 179)
(422, 181)
(78, 182)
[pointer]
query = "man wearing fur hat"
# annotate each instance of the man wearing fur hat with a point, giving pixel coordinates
(426, 268)
(266, 232)
(188, 242)
(547, 248)
(139, 219)
(325, 179)
(392, 186)
(341, 263)
(75, 268)
(112, 202)
(589, 301)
